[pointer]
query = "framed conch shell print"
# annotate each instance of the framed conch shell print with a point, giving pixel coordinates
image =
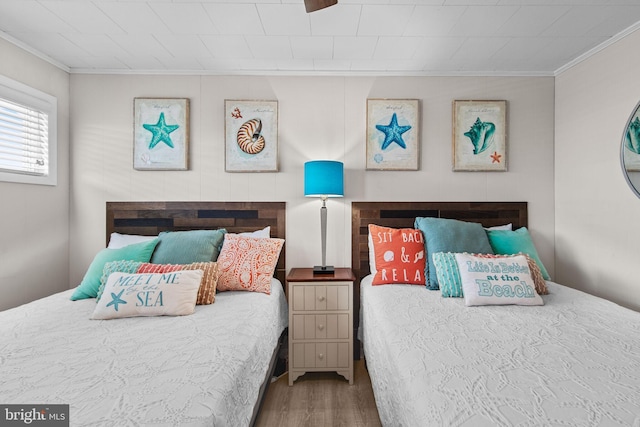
(480, 136)
(251, 136)
(161, 133)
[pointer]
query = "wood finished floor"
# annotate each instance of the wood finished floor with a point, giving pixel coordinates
(320, 399)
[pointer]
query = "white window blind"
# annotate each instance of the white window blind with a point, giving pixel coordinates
(27, 134)
(24, 139)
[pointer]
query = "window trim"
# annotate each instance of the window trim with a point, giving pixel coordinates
(20, 93)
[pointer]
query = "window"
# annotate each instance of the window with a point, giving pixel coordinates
(28, 120)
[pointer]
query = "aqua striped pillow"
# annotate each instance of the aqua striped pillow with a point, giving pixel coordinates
(448, 274)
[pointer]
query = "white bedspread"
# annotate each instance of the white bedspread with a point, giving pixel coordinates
(434, 362)
(196, 370)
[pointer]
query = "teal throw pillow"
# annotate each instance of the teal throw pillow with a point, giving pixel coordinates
(448, 274)
(450, 235)
(514, 242)
(187, 247)
(90, 284)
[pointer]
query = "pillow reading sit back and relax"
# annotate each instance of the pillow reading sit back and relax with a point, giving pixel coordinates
(88, 288)
(155, 294)
(399, 255)
(450, 235)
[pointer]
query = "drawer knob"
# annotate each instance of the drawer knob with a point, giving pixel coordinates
(321, 326)
(320, 356)
(321, 298)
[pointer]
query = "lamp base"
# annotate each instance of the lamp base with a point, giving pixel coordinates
(323, 269)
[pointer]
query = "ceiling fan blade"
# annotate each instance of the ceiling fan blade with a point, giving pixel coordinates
(313, 5)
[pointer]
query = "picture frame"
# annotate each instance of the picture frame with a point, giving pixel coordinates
(480, 136)
(161, 134)
(251, 135)
(393, 134)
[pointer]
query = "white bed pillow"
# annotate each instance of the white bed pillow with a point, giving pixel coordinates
(117, 240)
(149, 294)
(265, 233)
(488, 282)
(508, 227)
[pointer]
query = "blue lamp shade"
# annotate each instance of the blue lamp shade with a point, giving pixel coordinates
(323, 178)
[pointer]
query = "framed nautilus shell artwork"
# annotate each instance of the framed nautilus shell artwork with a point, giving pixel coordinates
(251, 136)
(161, 133)
(480, 136)
(393, 134)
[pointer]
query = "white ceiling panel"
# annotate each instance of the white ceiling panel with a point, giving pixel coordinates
(531, 21)
(284, 20)
(134, 17)
(478, 21)
(184, 18)
(346, 48)
(433, 21)
(397, 48)
(270, 47)
(30, 16)
(183, 46)
(378, 20)
(444, 37)
(84, 17)
(227, 47)
(312, 47)
(341, 20)
(235, 19)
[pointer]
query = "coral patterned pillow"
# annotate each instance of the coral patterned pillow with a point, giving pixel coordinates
(248, 263)
(399, 255)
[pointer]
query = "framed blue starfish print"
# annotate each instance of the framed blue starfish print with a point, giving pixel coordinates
(480, 136)
(161, 133)
(393, 134)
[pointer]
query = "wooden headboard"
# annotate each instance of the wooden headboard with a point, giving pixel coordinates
(403, 214)
(151, 218)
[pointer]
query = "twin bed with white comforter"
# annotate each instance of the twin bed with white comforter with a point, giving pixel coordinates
(208, 367)
(434, 361)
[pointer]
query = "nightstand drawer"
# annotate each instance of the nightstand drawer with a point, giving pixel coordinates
(321, 355)
(306, 297)
(320, 326)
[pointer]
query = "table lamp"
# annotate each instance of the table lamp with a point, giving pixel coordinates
(324, 179)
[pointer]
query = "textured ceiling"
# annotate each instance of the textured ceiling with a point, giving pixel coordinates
(414, 37)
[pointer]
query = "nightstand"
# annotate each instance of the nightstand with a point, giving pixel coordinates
(320, 322)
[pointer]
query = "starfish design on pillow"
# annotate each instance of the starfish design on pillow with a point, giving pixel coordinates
(115, 300)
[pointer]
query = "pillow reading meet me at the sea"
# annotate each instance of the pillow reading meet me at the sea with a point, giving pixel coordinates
(149, 294)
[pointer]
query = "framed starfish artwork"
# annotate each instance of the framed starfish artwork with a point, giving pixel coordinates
(480, 136)
(251, 136)
(393, 134)
(161, 133)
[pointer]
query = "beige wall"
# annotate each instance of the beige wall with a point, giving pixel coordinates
(34, 248)
(319, 118)
(597, 228)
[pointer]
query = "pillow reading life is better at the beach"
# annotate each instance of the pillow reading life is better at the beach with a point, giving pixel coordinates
(486, 282)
